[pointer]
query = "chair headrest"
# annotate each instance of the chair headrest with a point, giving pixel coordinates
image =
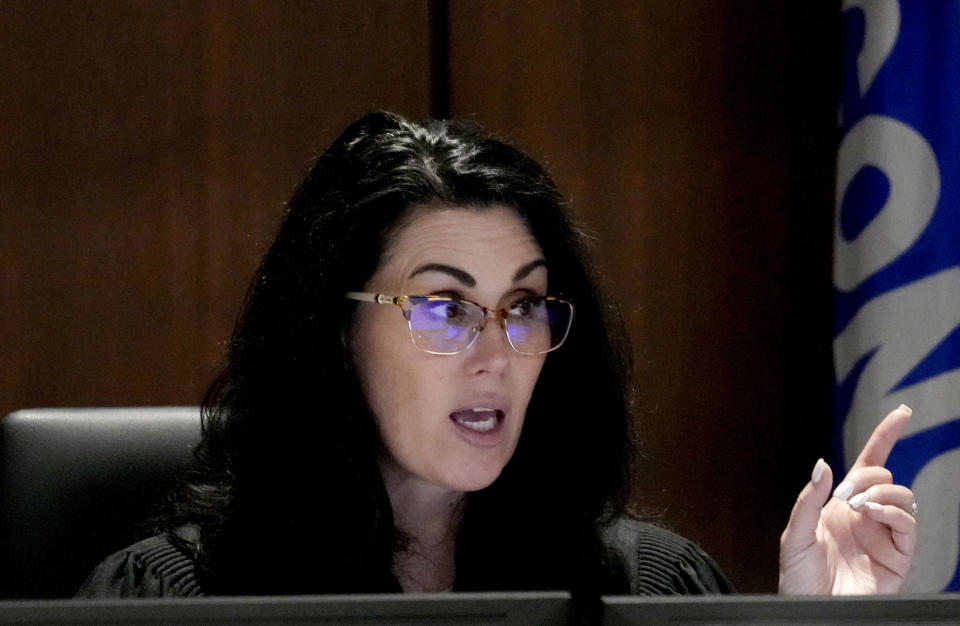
(75, 483)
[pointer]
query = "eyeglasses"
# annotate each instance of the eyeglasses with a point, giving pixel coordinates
(442, 325)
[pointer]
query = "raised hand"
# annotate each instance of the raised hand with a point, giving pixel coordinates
(863, 539)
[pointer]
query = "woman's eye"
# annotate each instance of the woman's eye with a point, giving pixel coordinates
(522, 308)
(455, 310)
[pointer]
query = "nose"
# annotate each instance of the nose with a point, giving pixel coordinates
(491, 352)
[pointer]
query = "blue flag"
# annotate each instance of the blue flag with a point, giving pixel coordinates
(897, 258)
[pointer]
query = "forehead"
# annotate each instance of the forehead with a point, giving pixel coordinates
(478, 240)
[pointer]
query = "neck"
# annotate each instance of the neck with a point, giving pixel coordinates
(428, 518)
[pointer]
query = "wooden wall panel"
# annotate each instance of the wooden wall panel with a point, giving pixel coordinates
(147, 151)
(694, 140)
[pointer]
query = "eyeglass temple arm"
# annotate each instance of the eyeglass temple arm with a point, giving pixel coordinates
(376, 298)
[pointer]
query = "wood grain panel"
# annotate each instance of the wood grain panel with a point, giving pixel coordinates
(684, 135)
(147, 151)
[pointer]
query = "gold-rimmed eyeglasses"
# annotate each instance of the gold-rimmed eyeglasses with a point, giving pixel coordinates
(446, 325)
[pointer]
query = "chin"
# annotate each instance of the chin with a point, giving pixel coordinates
(473, 479)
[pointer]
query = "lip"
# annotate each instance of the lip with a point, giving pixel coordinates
(481, 438)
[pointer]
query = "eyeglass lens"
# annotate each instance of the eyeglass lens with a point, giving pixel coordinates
(533, 326)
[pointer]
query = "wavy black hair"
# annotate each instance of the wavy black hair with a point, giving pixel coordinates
(288, 493)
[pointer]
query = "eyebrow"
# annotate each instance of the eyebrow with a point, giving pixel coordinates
(457, 273)
(466, 278)
(524, 271)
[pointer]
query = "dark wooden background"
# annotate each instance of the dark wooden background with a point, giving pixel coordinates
(147, 148)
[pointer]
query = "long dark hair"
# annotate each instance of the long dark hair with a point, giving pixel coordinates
(288, 495)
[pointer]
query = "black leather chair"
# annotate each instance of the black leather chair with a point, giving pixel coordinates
(77, 484)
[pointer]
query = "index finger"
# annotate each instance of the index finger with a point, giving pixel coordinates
(884, 437)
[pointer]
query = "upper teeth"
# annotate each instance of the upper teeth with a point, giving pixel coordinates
(481, 409)
(482, 425)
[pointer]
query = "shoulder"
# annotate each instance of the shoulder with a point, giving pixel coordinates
(661, 562)
(160, 566)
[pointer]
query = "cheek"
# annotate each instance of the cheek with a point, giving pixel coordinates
(397, 379)
(527, 375)
(372, 342)
(531, 372)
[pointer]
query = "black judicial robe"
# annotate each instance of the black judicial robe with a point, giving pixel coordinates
(658, 562)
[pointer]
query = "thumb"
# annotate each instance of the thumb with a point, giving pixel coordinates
(801, 529)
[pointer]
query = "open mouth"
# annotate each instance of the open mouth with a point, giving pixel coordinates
(479, 419)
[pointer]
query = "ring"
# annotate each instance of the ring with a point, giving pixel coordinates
(913, 509)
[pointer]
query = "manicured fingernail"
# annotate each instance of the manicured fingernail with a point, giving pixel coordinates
(904, 407)
(858, 500)
(818, 470)
(873, 506)
(843, 490)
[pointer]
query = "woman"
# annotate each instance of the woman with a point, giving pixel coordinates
(476, 439)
